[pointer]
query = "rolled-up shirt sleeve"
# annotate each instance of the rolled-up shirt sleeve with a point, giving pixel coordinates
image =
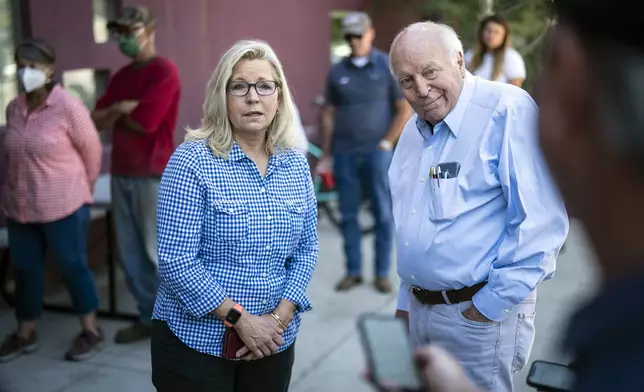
(300, 266)
(537, 222)
(180, 214)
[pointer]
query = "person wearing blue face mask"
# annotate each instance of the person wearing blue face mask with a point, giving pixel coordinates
(141, 105)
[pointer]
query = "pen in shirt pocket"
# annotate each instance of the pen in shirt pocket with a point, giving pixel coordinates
(431, 175)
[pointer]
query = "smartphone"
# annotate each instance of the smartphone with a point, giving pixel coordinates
(232, 344)
(549, 376)
(389, 353)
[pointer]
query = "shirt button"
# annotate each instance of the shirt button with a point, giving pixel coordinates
(268, 247)
(413, 277)
(265, 275)
(262, 190)
(265, 302)
(413, 212)
(429, 148)
(422, 179)
(406, 243)
(269, 217)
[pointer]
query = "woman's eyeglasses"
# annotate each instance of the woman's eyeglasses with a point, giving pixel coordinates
(240, 89)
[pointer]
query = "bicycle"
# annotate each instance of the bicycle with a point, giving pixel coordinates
(327, 196)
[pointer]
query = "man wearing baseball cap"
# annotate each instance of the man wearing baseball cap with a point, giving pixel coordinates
(362, 119)
(141, 106)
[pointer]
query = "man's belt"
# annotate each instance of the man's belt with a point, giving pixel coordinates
(446, 297)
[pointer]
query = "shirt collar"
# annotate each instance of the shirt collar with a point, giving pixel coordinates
(425, 128)
(52, 98)
(454, 118)
(371, 56)
(237, 154)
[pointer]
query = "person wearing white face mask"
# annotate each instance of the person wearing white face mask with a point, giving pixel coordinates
(54, 158)
(32, 79)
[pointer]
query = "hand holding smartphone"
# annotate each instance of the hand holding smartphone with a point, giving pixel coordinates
(232, 344)
(551, 377)
(389, 353)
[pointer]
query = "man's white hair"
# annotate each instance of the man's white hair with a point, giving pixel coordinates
(450, 39)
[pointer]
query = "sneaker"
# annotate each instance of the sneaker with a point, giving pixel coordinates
(14, 346)
(347, 283)
(382, 285)
(85, 346)
(133, 333)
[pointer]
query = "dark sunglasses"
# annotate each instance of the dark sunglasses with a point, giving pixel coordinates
(351, 37)
(127, 31)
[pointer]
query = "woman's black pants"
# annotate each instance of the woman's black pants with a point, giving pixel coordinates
(176, 367)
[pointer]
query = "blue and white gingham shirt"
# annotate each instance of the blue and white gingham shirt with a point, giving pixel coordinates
(226, 231)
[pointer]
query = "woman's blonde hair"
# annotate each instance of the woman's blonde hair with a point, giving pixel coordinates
(216, 128)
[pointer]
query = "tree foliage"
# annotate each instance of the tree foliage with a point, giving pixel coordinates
(529, 21)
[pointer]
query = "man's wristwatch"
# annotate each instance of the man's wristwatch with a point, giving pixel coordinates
(385, 144)
(233, 316)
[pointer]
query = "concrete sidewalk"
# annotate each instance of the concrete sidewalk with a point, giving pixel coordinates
(575, 280)
(328, 354)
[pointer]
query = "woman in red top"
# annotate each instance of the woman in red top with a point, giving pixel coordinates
(54, 158)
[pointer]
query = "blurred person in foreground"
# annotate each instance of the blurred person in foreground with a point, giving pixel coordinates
(592, 133)
(141, 105)
(492, 57)
(479, 222)
(361, 121)
(54, 158)
(237, 235)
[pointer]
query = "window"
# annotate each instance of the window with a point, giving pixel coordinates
(8, 39)
(104, 10)
(339, 47)
(87, 85)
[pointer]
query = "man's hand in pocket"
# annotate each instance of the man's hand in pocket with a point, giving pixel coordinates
(473, 314)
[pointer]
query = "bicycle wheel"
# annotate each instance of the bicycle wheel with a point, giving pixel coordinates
(365, 219)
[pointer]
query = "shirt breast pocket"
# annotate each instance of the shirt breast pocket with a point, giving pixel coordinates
(295, 212)
(446, 195)
(232, 221)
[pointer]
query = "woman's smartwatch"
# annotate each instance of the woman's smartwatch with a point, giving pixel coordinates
(233, 316)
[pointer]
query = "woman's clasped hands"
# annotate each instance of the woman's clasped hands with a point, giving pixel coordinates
(262, 336)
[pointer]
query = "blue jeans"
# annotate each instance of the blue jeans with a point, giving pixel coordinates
(66, 240)
(134, 205)
(347, 171)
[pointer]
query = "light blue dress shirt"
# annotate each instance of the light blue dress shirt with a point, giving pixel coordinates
(501, 220)
(226, 231)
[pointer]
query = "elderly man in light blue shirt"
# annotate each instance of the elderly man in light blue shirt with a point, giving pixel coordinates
(479, 222)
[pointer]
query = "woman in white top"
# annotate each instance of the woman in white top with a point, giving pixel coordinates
(302, 140)
(492, 58)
